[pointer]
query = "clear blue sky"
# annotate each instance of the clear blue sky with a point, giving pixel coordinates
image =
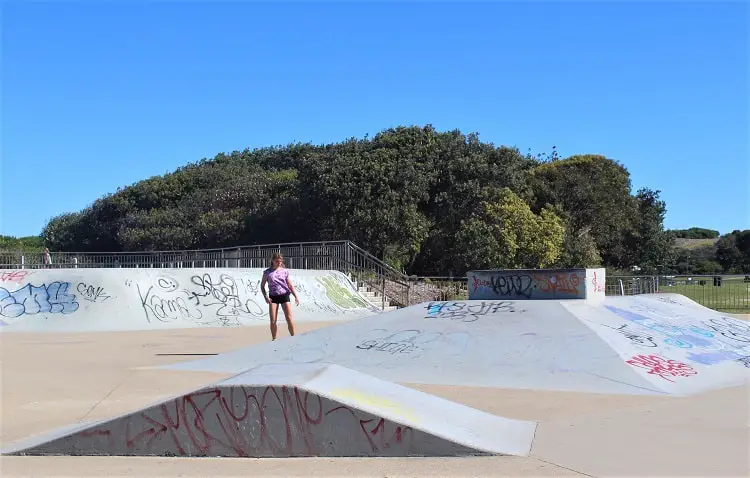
(101, 95)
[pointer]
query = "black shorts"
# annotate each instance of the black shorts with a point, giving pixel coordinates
(280, 299)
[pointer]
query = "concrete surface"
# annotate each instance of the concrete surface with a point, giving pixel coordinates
(657, 344)
(49, 380)
(85, 300)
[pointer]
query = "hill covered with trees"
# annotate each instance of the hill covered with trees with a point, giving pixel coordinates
(427, 202)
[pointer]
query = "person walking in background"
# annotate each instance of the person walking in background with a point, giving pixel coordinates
(280, 287)
(47, 257)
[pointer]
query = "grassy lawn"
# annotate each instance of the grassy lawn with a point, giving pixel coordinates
(732, 296)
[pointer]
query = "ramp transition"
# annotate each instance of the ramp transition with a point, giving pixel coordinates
(73, 300)
(294, 411)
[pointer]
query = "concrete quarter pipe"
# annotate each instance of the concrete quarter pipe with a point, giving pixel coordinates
(90, 300)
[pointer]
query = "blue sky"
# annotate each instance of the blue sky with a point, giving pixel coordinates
(101, 95)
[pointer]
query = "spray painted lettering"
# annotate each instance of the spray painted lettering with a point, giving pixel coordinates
(92, 293)
(557, 283)
(412, 341)
(225, 294)
(635, 337)
(513, 285)
(165, 309)
(596, 285)
(466, 311)
(13, 276)
(29, 300)
(730, 328)
(662, 367)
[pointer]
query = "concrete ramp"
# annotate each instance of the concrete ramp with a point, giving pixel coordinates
(620, 345)
(281, 410)
(86, 300)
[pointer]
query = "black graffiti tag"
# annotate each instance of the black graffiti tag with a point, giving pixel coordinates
(730, 328)
(402, 342)
(164, 310)
(225, 294)
(513, 285)
(92, 293)
(636, 338)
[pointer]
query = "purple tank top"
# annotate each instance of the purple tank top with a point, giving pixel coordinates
(277, 281)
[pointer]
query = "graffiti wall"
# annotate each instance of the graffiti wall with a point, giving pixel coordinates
(125, 299)
(536, 284)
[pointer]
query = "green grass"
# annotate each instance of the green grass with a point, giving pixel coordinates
(732, 296)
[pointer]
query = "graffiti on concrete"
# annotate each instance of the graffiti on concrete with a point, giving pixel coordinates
(706, 342)
(92, 293)
(529, 285)
(661, 367)
(467, 311)
(14, 276)
(245, 422)
(53, 298)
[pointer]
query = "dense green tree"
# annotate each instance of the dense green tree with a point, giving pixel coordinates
(28, 243)
(650, 246)
(733, 251)
(695, 233)
(506, 234)
(594, 193)
(425, 201)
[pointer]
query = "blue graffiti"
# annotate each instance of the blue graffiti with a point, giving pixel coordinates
(628, 315)
(702, 332)
(676, 335)
(712, 358)
(53, 298)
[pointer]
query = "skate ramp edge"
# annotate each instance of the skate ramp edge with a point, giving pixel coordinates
(288, 410)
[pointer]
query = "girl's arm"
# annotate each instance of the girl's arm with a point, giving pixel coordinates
(291, 288)
(263, 287)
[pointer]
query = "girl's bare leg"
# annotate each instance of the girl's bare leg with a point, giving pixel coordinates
(287, 308)
(273, 311)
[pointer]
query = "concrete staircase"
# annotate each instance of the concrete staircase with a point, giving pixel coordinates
(374, 297)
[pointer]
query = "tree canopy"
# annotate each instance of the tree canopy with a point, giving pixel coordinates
(427, 202)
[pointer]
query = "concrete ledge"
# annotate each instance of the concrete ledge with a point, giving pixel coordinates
(536, 284)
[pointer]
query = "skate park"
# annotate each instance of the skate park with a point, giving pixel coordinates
(166, 371)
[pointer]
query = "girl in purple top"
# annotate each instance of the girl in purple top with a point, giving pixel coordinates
(279, 289)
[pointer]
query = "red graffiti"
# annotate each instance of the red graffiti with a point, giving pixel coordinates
(13, 276)
(662, 367)
(597, 286)
(245, 422)
(558, 282)
(481, 283)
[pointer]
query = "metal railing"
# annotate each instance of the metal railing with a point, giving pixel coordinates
(730, 293)
(391, 286)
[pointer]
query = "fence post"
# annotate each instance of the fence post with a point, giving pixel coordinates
(622, 289)
(75, 262)
(383, 294)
